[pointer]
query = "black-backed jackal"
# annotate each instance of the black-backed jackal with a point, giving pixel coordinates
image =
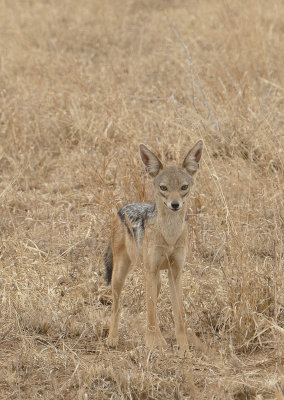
(154, 235)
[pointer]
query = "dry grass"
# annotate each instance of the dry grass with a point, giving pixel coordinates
(82, 84)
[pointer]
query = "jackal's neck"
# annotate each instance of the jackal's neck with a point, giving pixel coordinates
(171, 223)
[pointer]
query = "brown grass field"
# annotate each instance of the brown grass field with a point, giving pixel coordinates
(82, 83)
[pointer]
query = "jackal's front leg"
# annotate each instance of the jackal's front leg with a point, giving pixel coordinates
(153, 334)
(174, 273)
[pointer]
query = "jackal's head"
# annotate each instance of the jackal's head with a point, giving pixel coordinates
(172, 184)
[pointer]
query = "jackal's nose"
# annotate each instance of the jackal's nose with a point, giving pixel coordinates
(175, 204)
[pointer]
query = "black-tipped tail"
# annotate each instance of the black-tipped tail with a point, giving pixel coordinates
(108, 263)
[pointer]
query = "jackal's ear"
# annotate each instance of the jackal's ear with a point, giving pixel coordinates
(191, 161)
(152, 163)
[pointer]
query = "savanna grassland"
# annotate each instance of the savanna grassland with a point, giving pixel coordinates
(82, 83)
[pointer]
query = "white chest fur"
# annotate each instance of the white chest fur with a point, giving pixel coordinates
(171, 226)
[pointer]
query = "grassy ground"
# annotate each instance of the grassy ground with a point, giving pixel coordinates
(82, 83)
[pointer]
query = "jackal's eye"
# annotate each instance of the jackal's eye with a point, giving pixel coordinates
(163, 188)
(184, 187)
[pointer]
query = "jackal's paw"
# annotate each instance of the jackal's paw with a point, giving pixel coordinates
(183, 351)
(112, 341)
(155, 340)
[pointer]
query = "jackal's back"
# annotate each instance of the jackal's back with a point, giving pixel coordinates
(137, 215)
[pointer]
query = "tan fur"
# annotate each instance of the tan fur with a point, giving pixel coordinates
(164, 246)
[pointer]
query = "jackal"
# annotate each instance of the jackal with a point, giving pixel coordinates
(155, 236)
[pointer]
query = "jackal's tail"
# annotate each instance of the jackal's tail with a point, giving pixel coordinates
(108, 263)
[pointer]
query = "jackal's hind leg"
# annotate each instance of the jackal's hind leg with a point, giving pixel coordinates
(120, 270)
